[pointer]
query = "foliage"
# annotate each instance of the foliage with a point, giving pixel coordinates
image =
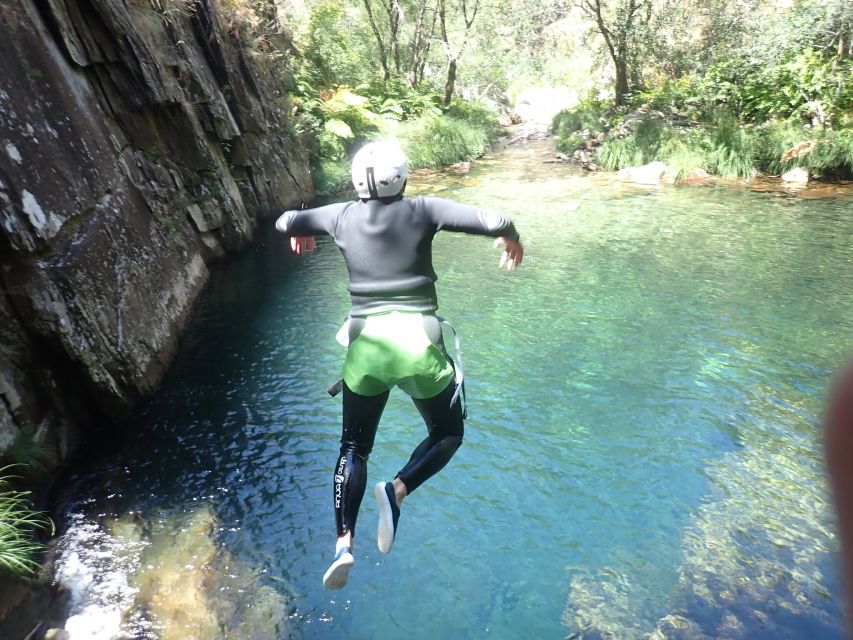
(18, 524)
(731, 153)
(331, 176)
(397, 100)
(28, 452)
(476, 114)
(833, 155)
(804, 86)
(680, 96)
(337, 48)
(621, 153)
(587, 116)
(437, 141)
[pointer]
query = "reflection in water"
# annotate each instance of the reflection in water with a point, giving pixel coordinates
(642, 457)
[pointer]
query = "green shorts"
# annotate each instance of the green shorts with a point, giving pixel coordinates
(393, 349)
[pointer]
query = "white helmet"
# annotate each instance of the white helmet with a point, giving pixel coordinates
(380, 170)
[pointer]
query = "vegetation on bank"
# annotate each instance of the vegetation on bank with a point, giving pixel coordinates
(433, 136)
(773, 95)
(363, 73)
(733, 87)
(20, 522)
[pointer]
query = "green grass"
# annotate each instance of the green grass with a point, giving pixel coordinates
(729, 149)
(683, 153)
(19, 523)
(431, 140)
(832, 157)
(642, 146)
(29, 453)
(438, 141)
(620, 153)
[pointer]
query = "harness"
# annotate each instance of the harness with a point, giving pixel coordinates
(342, 338)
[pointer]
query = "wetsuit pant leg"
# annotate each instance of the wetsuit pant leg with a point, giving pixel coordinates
(444, 428)
(361, 416)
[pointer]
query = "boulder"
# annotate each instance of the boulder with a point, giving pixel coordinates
(652, 173)
(797, 175)
(136, 147)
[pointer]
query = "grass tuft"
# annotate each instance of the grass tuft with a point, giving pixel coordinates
(18, 525)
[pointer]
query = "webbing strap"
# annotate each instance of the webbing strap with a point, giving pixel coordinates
(459, 374)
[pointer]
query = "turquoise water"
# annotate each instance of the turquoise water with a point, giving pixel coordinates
(642, 453)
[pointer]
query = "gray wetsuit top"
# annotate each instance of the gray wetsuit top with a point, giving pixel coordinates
(387, 245)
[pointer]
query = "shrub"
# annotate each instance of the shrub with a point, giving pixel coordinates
(684, 152)
(331, 176)
(620, 153)
(587, 116)
(438, 141)
(732, 149)
(569, 143)
(18, 524)
(832, 156)
(475, 113)
(679, 95)
(772, 140)
(639, 147)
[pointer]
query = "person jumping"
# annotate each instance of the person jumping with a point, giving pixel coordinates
(394, 337)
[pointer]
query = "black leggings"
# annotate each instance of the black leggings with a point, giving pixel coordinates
(360, 421)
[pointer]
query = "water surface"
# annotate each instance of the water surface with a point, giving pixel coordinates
(642, 454)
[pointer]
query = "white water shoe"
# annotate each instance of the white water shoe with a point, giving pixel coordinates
(389, 514)
(338, 573)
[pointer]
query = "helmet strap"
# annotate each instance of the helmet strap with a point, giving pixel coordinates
(371, 183)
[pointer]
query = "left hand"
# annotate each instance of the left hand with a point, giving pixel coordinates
(513, 253)
(301, 244)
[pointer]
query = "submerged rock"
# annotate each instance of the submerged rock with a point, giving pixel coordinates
(167, 579)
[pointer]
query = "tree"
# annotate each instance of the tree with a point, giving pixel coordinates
(388, 45)
(618, 23)
(422, 37)
(468, 15)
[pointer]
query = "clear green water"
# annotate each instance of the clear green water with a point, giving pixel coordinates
(643, 450)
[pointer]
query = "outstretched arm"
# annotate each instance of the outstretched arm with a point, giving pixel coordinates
(302, 225)
(454, 216)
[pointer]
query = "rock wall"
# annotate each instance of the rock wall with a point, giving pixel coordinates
(139, 141)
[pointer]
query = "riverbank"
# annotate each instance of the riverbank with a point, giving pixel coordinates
(686, 148)
(654, 173)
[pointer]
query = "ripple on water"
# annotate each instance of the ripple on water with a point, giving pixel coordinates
(642, 454)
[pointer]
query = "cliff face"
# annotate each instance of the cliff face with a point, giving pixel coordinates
(139, 141)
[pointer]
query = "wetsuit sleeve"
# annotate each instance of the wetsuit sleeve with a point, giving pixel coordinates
(310, 222)
(454, 216)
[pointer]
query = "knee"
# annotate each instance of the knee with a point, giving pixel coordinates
(352, 450)
(453, 442)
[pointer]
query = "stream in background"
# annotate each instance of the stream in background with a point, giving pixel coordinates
(642, 454)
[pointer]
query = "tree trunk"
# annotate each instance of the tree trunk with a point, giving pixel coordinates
(383, 54)
(451, 82)
(621, 86)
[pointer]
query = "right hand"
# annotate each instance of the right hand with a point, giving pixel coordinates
(513, 253)
(301, 244)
